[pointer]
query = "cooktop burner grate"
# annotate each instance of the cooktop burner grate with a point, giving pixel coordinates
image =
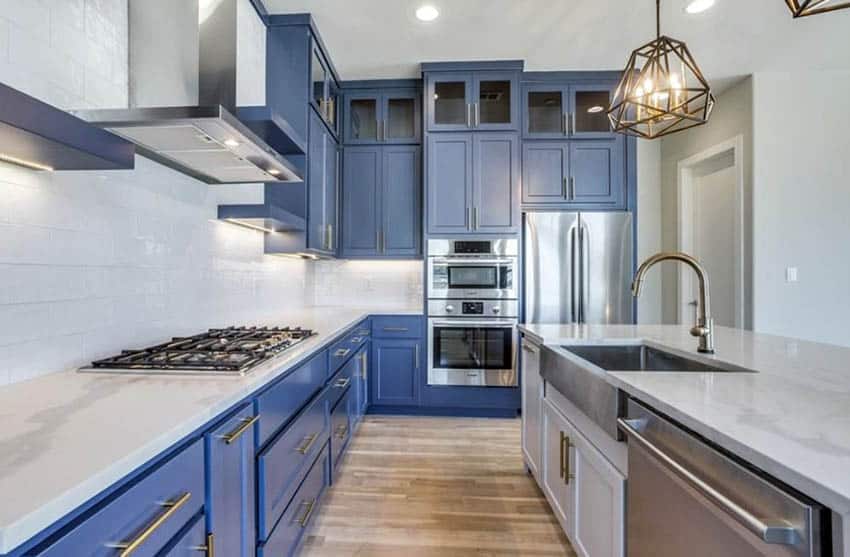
(230, 350)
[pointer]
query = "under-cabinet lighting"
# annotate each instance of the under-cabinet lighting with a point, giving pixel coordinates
(231, 143)
(273, 171)
(427, 13)
(698, 6)
(299, 255)
(25, 163)
(249, 225)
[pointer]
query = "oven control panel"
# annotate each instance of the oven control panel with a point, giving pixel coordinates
(473, 308)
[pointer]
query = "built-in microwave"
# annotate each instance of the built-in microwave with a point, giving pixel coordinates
(482, 269)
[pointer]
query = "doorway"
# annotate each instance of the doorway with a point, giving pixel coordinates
(711, 228)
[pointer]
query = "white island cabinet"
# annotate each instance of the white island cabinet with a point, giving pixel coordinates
(532, 395)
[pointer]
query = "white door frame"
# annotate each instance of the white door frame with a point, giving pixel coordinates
(687, 190)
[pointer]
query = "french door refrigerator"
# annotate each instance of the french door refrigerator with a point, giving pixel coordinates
(578, 268)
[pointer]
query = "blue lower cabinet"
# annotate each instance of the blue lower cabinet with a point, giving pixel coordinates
(282, 465)
(395, 370)
(192, 541)
(341, 419)
(154, 510)
(231, 487)
(288, 533)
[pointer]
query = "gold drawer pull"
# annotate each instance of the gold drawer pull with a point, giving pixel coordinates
(342, 353)
(310, 505)
(309, 440)
(171, 507)
(237, 433)
(209, 548)
(356, 340)
(342, 382)
(341, 431)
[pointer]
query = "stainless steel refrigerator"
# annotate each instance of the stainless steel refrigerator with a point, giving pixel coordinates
(578, 268)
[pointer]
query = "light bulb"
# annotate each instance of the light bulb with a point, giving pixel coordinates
(427, 13)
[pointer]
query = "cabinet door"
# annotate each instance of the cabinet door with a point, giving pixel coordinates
(231, 489)
(545, 167)
(401, 117)
(400, 201)
(318, 80)
(599, 503)
(449, 183)
(396, 365)
(317, 234)
(589, 111)
(596, 173)
(495, 183)
(362, 115)
(532, 397)
(495, 101)
(192, 542)
(332, 104)
(449, 96)
(545, 109)
(556, 482)
(361, 201)
(361, 382)
(331, 193)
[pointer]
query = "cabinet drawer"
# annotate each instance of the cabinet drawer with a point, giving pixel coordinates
(341, 381)
(284, 540)
(340, 427)
(141, 510)
(282, 401)
(189, 542)
(283, 464)
(398, 326)
(343, 349)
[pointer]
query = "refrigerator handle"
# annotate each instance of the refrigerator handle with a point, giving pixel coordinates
(574, 276)
(582, 270)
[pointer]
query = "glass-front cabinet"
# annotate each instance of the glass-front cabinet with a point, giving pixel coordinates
(553, 111)
(325, 90)
(387, 116)
(485, 100)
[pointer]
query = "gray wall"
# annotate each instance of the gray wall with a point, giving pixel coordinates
(649, 227)
(733, 116)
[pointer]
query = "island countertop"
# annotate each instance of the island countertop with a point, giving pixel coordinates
(67, 436)
(791, 419)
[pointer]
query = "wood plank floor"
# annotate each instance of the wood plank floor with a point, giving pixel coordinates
(413, 487)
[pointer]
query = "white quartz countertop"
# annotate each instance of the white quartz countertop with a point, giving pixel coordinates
(792, 419)
(67, 436)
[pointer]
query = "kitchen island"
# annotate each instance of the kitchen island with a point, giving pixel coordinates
(790, 419)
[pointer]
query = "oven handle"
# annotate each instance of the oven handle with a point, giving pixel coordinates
(501, 323)
(444, 261)
(776, 532)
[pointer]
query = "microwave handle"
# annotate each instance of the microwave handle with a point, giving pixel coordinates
(456, 261)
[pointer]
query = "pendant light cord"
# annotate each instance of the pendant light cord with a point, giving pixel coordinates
(658, 19)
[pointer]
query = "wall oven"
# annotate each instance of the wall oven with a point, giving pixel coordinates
(463, 269)
(472, 343)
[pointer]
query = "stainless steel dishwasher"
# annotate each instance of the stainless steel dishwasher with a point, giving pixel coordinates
(686, 498)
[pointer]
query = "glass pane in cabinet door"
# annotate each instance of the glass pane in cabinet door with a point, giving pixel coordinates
(545, 112)
(401, 119)
(450, 102)
(332, 101)
(591, 112)
(494, 102)
(364, 119)
(318, 79)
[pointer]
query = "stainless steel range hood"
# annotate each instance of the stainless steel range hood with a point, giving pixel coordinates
(183, 93)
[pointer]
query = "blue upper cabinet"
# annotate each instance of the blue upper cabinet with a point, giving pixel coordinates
(381, 201)
(472, 96)
(473, 183)
(321, 187)
(390, 116)
(561, 110)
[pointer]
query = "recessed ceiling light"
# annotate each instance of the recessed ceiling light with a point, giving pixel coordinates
(698, 6)
(427, 13)
(596, 109)
(274, 171)
(231, 143)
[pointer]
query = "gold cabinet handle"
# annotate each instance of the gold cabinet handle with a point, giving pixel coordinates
(308, 442)
(561, 450)
(305, 518)
(341, 431)
(356, 340)
(231, 437)
(209, 548)
(342, 382)
(568, 475)
(171, 507)
(342, 353)
(363, 364)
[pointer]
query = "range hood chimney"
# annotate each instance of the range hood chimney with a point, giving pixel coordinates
(183, 96)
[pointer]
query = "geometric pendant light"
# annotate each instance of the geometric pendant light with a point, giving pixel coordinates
(662, 90)
(801, 8)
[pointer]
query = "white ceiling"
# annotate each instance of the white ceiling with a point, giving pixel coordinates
(383, 39)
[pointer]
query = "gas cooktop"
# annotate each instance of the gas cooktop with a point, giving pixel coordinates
(230, 351)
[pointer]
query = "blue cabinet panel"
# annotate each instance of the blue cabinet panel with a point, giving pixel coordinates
(449, 96)
(597, 173)
(231, 489)
(192, 540)
(545, 168)
(496, 183)
(396, 365)
(341, 420)
(341, 382)
(472, 100)
(282, 465)
(286, 537)
(398, 326)
(449, 186)
(321, 186)
(179, 482)
(382, 116)
(282, 401)
(400, 201)
(361, 201)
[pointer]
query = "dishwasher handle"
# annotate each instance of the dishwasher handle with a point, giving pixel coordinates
(773, 532)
